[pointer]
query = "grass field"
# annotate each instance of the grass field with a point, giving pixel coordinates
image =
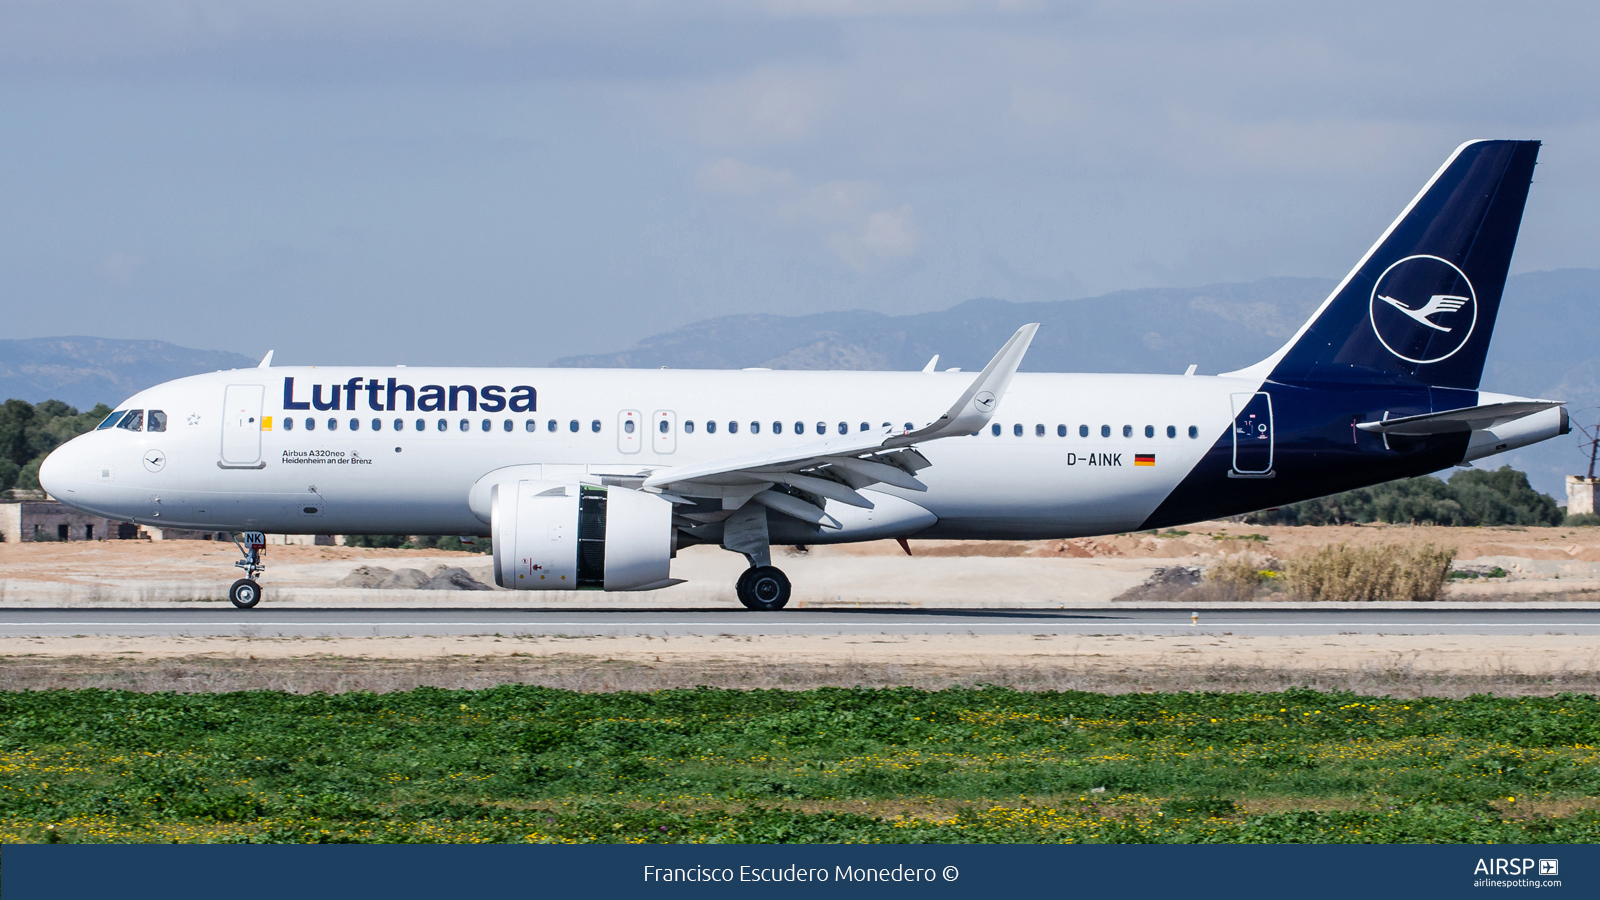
(831, 765)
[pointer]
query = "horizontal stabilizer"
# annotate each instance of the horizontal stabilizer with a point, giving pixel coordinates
(1456, 421)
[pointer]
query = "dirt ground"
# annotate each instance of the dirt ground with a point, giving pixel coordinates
(1542, 563)
(1373, 664)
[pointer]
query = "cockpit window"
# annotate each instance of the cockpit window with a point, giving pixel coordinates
(111, 420)
(133, 421)
(155, 421)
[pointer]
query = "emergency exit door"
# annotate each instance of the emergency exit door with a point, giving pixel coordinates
(241, 426)
(664, 431)
(1252, 435)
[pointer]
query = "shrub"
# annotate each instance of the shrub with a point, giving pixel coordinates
(1237, 577)
(1383, 572)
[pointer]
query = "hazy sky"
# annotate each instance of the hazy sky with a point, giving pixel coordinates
(383, 182)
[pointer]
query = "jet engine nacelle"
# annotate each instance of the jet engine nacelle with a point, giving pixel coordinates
(550, 536)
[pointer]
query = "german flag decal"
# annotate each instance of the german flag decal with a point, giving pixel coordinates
(1144, 459)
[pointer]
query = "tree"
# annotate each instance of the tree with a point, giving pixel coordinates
(28, 433)
(1472, 497)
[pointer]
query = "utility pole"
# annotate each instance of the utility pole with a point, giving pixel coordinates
(1594, 449)
(1582, 491)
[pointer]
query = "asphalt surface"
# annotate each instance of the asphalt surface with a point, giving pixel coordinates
(269, 623)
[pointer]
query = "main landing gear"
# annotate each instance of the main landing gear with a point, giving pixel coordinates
(763, 587)
(246, 592)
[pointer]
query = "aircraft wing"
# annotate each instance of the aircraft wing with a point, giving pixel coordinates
(795, 480)
(1472, 418)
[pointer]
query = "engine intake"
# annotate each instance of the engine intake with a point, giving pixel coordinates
(565, 537)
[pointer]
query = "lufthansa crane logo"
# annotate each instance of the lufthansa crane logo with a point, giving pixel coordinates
(1423, 309)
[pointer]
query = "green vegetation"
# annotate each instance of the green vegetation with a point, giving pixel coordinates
(28, 433)
(1495, 572)
(1471, 497)
(834, 765)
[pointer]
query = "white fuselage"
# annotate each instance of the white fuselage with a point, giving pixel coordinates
(373, 469)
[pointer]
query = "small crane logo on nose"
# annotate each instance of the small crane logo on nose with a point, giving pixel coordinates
(155, 460)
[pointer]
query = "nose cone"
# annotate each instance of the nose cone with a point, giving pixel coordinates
(57, 473)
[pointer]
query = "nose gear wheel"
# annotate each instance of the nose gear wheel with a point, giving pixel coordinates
(245, 593)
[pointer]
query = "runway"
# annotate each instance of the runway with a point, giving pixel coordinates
(379, 622)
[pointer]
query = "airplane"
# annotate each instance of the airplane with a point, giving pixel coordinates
(588, 479)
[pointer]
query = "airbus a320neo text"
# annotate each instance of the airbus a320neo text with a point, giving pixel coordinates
(594, 479)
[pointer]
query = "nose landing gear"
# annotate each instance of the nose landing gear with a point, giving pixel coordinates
(246, 592)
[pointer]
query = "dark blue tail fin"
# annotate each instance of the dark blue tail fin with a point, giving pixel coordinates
(1420, 306)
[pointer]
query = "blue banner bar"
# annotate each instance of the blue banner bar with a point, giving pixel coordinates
(276, 872)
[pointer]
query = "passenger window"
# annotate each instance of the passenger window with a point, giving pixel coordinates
(1172, 431)
(1149, 431)
(464, 425)
(1127, 431)
(1105, 431)
(485, 425)
(908, 427)
(1017, 429)
(799, 428)
(711, 426)
(507, 427)
(530, 426)
(288, 424)
(822, 428)
(399, 424)
(311, 424)
(663, 427)
(886, 425)
(1083, 431)
(133, 421)
(443, 425)
(377, 424)
(333, 424)
(355, 424)
(733, 427)
(1061, 431)
(627, 427)
(155, 421)
(844, 427)
(865, 426)
(594, 426)
(777, 428)
(1038, 431)
(111, 420)
(688, 426)
(550, 425)
(572, 426)
(755, 427)
(1193, 432)
(995, 429)
(422, 425)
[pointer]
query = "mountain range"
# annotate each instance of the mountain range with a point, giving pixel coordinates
(1546, 344)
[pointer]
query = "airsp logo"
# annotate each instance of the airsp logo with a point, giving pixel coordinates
(1423, 309)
